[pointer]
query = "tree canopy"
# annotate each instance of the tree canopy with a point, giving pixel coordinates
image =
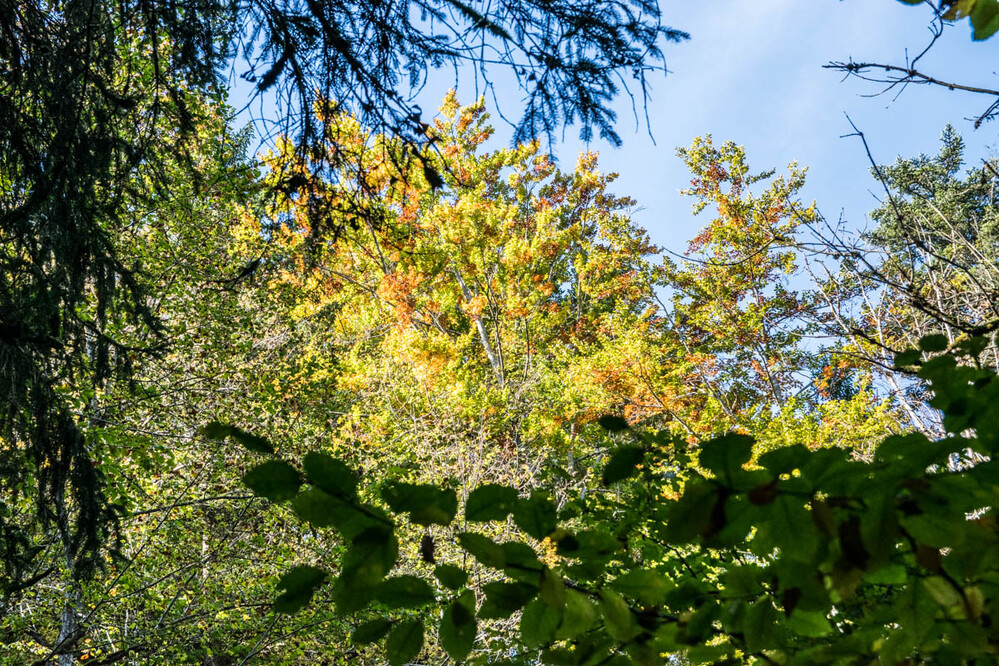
(387, 391)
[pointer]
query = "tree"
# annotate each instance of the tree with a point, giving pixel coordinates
(456, 313)
(983, 15)
(97, 93)
(928, 266)
(799, 556)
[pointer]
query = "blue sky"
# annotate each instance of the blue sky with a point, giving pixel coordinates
(752, 73)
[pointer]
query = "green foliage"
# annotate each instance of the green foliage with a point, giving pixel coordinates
(299, 585)
(983, 14)
(804, 556)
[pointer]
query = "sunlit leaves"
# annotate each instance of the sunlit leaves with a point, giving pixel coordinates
(773, 559)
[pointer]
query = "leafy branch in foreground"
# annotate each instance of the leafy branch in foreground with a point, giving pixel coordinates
(799, 556)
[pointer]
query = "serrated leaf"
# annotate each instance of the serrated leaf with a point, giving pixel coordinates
(451, 576)
(370, 632)
(647, 587)
(504, 599)
(623, 464)
(458, 627)
(612, 423)
(405, 592)
(538, 624)
(536, 515)
(490, 502)
(322, 510)
(299, 585)
(483, 549)
(936, 342)
(426, 504)
(369, 558)
(275, 479)
(619, 619)
(404, 642)
(725, 455)
(811, 624)
(331, 475)
(578, 616)
(552, 588)
(215, 430)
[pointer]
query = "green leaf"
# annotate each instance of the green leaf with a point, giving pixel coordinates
(299, 585)
(690, 516)
(536, 515)
(907, 358)
(252, 442)
(589, 545)
(369, 558)
(327, 473)
(505, 599)
(623, 464)
(985, 19)
(405, 592)
(426, 504)
(521, 562)
(219, 431)
(936, 342)
(612, 423)
(451, 576)
(490, 502)
(760, 626)
(322, 510)
(578, 616)
(642, 585)
(620, 621)
(370, 631)
(538, 624)
(552, 588)
(483, 549)
(786, 524)
(275, 479)
(811, 624)
(725, 455)
(942, 592)
(785, 459)
(215, 430)
(404, 642)
(458, 628)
